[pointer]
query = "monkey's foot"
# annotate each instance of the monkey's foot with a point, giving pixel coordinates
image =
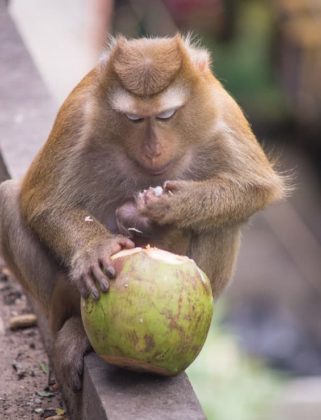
(71, 345)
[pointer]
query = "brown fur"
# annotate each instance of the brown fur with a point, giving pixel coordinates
(146, 67)
(96, 161)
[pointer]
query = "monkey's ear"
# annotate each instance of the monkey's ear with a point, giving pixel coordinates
(115, 45)
(111, 43)
(121, 43)
(200, 57)
(121, 47)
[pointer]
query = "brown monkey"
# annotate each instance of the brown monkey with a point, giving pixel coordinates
(150, 114)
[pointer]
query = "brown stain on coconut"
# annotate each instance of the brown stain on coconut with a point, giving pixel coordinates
(149, 343)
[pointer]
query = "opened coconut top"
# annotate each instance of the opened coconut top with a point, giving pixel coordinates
(156, 253)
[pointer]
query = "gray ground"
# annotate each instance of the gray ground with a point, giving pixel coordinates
(24, 391)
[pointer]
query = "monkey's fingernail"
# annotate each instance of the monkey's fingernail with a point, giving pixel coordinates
(104, 286)
(84, 295)
(84, 292)
(111, 272)
(95, 294)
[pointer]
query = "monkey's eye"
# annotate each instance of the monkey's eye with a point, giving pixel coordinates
(166, 115)
(134, 117)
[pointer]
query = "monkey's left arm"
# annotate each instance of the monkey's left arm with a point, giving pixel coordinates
(249, 184)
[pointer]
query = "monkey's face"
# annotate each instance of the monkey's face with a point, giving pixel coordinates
(157, 94)
(153, 130)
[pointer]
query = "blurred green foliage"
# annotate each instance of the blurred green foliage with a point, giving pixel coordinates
(229, 384)
(244, 64)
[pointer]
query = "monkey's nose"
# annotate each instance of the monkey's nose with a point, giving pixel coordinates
(153, 160)
(152, 150)
(152, 157)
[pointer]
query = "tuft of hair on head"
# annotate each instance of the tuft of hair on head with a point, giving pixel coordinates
(146, 66)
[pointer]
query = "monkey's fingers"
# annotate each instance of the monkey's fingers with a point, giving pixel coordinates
(107, 267)
(149, 196)
(100, 278)
(126, 243)
(172, 186)
(87, 287)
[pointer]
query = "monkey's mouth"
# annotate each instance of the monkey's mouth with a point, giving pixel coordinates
(155, 171)
(158, 172)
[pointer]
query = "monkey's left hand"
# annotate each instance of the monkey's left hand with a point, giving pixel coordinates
(130, 222)
(164, 209)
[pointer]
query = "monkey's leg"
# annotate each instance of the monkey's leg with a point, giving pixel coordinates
(70, 347)
(71, 342)
(215, 252)
(48, 284)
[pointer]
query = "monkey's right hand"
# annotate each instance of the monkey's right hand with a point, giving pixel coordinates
(91, 267)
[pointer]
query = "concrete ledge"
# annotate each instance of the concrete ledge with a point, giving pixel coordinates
(117, 394)
(108, 392)
(129, 395)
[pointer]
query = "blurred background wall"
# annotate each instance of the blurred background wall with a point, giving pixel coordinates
(263, 355)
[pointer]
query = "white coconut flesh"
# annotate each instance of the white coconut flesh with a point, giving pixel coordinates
(155, 253)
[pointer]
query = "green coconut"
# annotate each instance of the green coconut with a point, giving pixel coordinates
(156, 315)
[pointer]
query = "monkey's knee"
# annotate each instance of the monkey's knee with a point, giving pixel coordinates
(21, 249)
(70, 347)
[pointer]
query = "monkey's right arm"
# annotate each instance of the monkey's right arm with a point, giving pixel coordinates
(82, 244)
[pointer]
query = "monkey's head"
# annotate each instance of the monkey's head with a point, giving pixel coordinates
(156, 101)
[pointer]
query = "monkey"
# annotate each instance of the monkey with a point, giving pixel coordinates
(151, 113)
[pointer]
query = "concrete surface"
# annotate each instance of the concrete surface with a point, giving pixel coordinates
(56, 35)
(27, 111)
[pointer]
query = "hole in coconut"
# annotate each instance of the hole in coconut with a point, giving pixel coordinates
(168, 257)
(156, 253)
(125, 252)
